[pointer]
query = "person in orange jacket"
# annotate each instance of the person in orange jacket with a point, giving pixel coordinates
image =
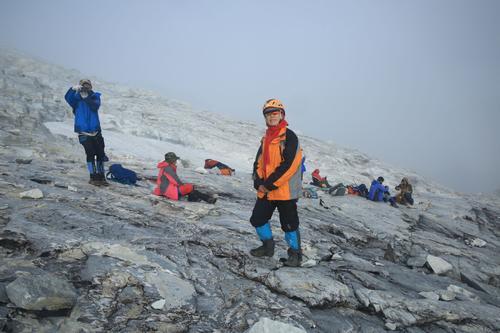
(277, 179)
(169, 185)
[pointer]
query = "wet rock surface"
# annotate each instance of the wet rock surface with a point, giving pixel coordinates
(126, 261)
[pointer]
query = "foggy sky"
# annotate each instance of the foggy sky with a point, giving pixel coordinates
(413, 83)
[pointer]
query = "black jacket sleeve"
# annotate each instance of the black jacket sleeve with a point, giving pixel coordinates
(256, 180)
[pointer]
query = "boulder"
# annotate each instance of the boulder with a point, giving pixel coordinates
(429, 295)
(478, 242)
(41, 292)
(310, 286)
(463, 294)
(438, 265)
(31, 194)
(158, 305)
(447, 295)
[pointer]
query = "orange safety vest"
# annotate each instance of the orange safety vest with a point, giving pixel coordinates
(290, 183)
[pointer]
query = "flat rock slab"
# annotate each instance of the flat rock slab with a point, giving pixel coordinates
(96, 266)
(31, 194)
(438, 265)
(429, 295)
(266, 325)
(41, 292)
(405, 311)
(175, 291)
(312, 287)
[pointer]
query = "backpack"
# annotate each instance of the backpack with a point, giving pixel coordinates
(309, 193)
(362, 190)
(119, 174)
(337, 190)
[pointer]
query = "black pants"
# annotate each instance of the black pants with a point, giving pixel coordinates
(264, 209)
(94, 147)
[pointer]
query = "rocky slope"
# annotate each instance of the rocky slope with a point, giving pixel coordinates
(76, 258)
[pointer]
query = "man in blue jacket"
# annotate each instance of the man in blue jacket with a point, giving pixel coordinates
(85, 104)
(377, 190)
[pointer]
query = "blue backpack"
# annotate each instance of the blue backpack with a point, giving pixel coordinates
(119, 174)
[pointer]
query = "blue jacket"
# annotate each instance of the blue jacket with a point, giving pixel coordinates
(377, 191)
(85, 110)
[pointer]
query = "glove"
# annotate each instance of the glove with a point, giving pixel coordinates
(77, 87)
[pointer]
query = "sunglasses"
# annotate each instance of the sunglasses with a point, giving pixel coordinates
(274, 113)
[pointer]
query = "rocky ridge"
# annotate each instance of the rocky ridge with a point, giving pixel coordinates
(76, 258)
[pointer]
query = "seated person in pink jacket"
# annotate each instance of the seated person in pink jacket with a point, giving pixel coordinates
(169, 185)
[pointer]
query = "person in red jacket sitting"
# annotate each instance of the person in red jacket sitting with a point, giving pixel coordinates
(169, 185)
(319, 181)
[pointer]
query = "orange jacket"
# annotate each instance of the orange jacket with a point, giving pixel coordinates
(284, 168)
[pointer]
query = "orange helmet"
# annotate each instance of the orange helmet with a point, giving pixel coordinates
(272, 105)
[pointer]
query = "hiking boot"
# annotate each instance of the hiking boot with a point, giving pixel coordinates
(102, 179)
(294, 258)
(197, 196)
(212, 200)
(266, 250)
(93, 179)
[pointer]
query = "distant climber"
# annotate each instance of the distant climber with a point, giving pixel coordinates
(169, 185)
(277, 179)
(85, 104)
(224, 169)
(319, 181)
(405, 189)
(377, 190)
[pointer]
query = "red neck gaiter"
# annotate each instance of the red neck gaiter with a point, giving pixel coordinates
(272, 132)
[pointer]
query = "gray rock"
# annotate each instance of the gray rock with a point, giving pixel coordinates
(96, 266)
(23, 160)
(72, 188)
(3, 294)
(462, 293)
(176, 291)
(446, 295)
(312, 287)
(438, 265)
(266, 325)
(41, 292)
(478, 242)
(391, 326)
(429, 295)
(158, 305)
(130, 294)
(418, 261)
(31, 194)
(4, 312)
(407, 311)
